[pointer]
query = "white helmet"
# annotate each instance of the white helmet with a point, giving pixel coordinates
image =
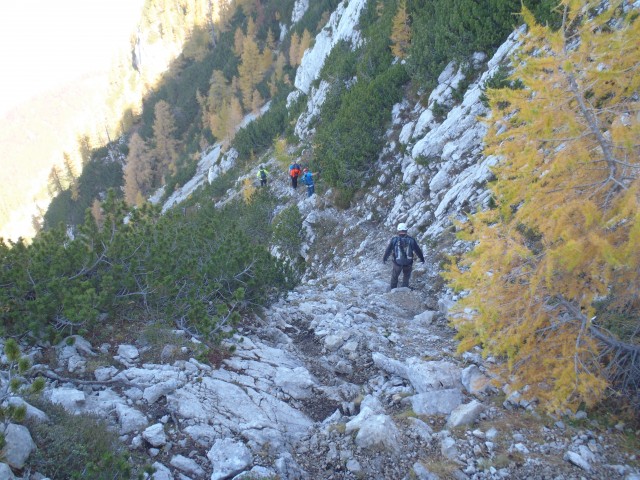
(402, 227)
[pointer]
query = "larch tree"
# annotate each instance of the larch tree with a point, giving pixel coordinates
(138, 170)
(226, 120)
(299, 44)
(401, 32)
(55, 183)
(564, 236)
(305, 43)
(250, 71)
(97, 213)
(294, 48)
(238, 42)
(70, 175)
(166, 145)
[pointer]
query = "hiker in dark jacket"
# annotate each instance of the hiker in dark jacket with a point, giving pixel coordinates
(403, 247)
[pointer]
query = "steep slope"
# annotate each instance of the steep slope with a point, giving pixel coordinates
(344, 379)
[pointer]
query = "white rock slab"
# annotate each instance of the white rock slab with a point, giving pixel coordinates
(341, 26)
(153, 393)
(155, 435)
(474, 380)
(130, 419)
(161, 472)
(228, 458)
(32, 413)
(437, 402)
(5, 472)
(465, 414)
(71, 399)
(379, 431)
(187, 465)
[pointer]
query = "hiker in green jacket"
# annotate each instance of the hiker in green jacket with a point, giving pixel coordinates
(262, 174)
(403, 248)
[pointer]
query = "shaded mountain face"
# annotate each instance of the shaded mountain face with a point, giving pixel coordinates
(33, 138)
(58, 88)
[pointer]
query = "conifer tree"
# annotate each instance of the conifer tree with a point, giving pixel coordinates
(166, 145)
(70, 175)
(138, 170)
(238, 42)
(294, 48)
(566, 230)
(84, 148)
(256, 101)
(250, 71)
(305, 43)
(401, 32)
(55, 184)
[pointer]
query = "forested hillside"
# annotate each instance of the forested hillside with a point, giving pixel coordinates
(543, 258)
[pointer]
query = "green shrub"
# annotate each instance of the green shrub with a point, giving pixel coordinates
(349, 141)
(340, 64)
(77, 447)
(199, 270)
(287, 232)
(445, 30)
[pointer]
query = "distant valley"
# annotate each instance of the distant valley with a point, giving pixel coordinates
(33, 137)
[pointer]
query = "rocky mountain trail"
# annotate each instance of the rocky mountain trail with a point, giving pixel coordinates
(342, 379)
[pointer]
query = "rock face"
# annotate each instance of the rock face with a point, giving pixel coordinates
(342, 25)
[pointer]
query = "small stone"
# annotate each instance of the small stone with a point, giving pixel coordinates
(491, 434)
(577, 460)
(354, 466)
(448, 448)
(521, 447)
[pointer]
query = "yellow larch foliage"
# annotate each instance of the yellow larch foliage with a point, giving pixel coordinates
(248, 190)
(250, 71)
(294, 48)
(401, 32)
(564, 233)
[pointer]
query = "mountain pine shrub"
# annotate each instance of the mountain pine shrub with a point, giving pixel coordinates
(348, 141)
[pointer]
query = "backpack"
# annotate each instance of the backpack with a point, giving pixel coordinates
(294, 170)
(402, 251)
(263, 174)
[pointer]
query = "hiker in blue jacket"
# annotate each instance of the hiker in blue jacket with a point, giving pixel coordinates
(403, 248)
(307, 179)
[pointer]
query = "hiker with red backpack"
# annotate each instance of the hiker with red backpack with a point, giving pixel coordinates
(403, 248)
(294, 173)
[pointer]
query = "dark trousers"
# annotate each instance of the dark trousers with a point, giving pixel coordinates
(294, 182)
(310, 190)
(263, 182)
(395, 273)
